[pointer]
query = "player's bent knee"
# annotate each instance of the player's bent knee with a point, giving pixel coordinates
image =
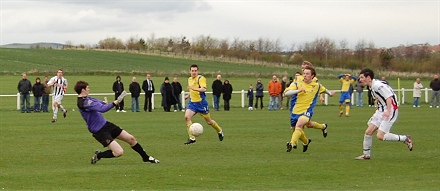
(118, 153)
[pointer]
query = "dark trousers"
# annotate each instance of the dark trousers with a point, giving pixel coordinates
(120, 106)
(147, 104)
(256, 102)
(251, 102)
(45, 103)
(226, 106)
(178, 105)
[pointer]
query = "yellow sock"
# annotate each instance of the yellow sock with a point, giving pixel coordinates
(187, 130)
(340, 108)
(216, 126)
(295, 136)
(347, 109)
(303, 137)
(317, 125)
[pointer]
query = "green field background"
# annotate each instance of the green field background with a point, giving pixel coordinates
(36, 154)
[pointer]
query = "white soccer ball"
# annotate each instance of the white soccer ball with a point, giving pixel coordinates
(196, 129)
(250, 108)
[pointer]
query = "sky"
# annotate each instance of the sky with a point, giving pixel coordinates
(386, 23)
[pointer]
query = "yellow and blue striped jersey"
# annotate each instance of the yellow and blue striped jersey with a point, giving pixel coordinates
(346, 84)
(305, 101)
(197, 82)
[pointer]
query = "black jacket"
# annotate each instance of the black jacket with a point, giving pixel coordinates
(435, 85)
(145, 86)
(118, 87)
(177, 88)
(38, 89)
(24, 86)
(217, 87)
(227, 91)
(259, 90)
(135, 89)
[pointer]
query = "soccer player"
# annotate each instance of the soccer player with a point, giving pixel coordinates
(105, 132)
(304, 96)
(347, 81)
(310, 124)
(197, 103)
(385, 115)
(59, 84)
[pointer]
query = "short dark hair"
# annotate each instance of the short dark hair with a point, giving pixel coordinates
(367, 72)
(79, 86)
(312, 70)
(194, 66)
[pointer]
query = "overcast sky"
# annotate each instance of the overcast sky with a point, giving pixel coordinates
(386, 23)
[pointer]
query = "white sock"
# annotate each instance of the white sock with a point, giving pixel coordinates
(55, 112)
(62, 108)
(368, 141)
(394, 137)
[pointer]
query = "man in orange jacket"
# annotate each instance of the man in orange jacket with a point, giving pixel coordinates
(274, 89)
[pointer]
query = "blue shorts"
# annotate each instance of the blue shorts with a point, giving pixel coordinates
(294, 117)
(199, 107)
(345, 97)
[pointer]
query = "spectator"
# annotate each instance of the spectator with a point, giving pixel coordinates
(24, 88)
(177, 87)
(38, 90)
(384, 79)
(359, 93)
(274, 88)
(118, 87)
(135, 90)
(167, 92)
(217, 91)
(283, 87)
(417, 93)
(435, 86)
(46, 95)
(259, 88)
(250, 96)
(227, 94)
(148, 88)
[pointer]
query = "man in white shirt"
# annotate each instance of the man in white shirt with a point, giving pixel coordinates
(385, 115)
(59, 84)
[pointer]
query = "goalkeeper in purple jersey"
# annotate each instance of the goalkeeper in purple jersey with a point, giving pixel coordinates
(105, 132)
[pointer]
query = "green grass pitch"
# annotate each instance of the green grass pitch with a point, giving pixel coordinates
(39, 155)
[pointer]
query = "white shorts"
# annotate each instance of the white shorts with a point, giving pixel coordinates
(57, 98)
(383, 125)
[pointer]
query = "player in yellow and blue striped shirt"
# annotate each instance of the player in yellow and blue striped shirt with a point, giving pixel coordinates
(197, 104)
(347, 81)
(305, 95)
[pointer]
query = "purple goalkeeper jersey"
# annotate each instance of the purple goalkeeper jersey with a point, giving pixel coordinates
(92, 112)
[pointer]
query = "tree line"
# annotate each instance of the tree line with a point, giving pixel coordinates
(323, 52)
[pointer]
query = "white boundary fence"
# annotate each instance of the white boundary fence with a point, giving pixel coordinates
(243, 96)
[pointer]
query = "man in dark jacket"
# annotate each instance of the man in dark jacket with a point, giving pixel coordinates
(38, 90)
(177, 91)
(435, 86)
(227, 94)
(135, 90)
(118, 88)
(148, 88)
(259, 88)
(24, 88)
(46, 95)
(217, 91)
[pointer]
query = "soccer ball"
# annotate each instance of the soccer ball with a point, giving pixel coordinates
(196, 129)
(250, 108)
